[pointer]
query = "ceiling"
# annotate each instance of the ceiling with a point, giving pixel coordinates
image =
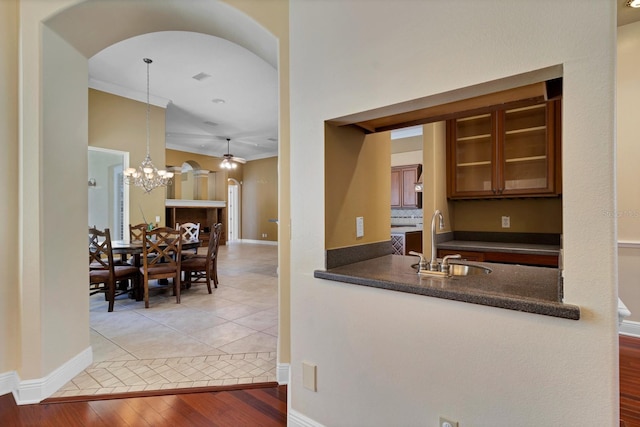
(235, 97)
(213, 89)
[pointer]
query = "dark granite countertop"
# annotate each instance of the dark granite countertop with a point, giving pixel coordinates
(513, 287)
(521, 248)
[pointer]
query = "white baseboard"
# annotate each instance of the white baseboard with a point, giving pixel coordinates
(8, 382)
(282, 373)
(296, 419)
(34, 391)
(630, 328)
(259, 242)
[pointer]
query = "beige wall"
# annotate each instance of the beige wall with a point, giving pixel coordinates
(120, 124)
(259, 192)
(434, 175)
(424, 356)
(627, 211)
(212, 164)
(357, 184)
(527, 215)
(9, 260)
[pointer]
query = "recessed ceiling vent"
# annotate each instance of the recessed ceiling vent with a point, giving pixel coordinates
(210, 123)
(201, 76)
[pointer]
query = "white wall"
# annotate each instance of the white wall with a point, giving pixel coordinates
(388, 358)
(628, 174)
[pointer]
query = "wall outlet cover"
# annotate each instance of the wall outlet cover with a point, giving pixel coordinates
(360, 226)
(506, 222)
(309, 373)
(447, 423)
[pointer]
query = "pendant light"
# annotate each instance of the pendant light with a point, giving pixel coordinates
(147, 176)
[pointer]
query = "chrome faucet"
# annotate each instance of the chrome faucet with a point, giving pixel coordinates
(433, 265)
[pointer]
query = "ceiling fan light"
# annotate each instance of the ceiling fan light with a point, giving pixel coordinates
(633, 3)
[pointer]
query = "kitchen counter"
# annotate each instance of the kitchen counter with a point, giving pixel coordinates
(519, 248)
(513, 287)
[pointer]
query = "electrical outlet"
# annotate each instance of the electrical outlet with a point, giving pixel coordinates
(360, 226)
(506, 222)
(447, 423)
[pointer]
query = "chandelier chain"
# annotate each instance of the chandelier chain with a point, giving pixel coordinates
(147, 176)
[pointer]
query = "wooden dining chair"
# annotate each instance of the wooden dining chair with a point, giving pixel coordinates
(104, 273)
(203, 268)
(190, 231)
(136, 232)
(161, 256)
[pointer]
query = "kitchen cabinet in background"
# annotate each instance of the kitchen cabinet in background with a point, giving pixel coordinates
(504, 257)
(505, 152)
(403, 192)
(405, 240)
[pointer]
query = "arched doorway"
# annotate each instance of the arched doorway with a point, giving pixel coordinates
(60, 54)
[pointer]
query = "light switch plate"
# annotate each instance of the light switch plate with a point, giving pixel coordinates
(360, 226)
(506, 222)
(309, 372)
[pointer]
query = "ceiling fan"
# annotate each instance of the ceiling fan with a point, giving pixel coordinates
(229, 161)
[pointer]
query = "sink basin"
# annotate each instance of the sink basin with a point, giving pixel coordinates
(467, 270)
(457, 270)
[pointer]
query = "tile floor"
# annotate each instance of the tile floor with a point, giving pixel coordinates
(228, 337)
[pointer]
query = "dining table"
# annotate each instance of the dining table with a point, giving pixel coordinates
(124, 248)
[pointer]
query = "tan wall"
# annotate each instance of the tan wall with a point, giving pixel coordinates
(526, 215)
(259, 192)
(120, 124)
(434, 177)
(357, 185)
(628, 174)
(9, 290)
(177, 158)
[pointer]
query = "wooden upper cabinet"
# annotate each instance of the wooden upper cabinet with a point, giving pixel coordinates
(403, 192)
(510, 152)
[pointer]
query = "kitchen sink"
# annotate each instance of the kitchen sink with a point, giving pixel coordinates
(467, 270)
(456, 270)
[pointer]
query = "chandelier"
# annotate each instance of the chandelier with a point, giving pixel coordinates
(147, 176)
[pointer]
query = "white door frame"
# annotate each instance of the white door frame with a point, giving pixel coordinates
(233, 210)
(125, 188)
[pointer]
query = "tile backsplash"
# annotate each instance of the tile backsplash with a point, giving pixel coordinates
(406, 217)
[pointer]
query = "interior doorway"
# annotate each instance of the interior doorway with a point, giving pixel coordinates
(108, 196)
(233, 210)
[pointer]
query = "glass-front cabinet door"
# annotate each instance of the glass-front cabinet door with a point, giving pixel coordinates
(472, 155)
(504, 152)
(526, 150)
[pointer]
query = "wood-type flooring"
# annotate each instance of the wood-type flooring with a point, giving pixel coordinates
(629, 381)
(246, 407)
(233, 408)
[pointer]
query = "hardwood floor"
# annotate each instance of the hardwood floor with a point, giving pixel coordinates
(265, 406)
(629, 381)
(249, 407)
